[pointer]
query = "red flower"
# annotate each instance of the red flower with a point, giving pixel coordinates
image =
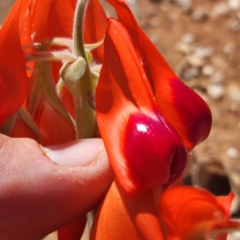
(41, 22)
(183, 213)
(146, 115)
(187, 213)
(148, 120)
(37, 23)
(13, 77)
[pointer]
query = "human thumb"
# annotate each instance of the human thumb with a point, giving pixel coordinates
(45, 188)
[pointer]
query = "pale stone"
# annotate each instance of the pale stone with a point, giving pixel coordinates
(234, 93)
(184, 3)
(154, 22)
(203, 52)
(234, 235)
(190, 73)
(217, 77)
(234, 25)
(216, 91)
(220, 9)
(184, 48)
(200, 14)
(188, 38)
(208, 70)
(232, 153)
(234, 4)
(228, 48)
(195, 60)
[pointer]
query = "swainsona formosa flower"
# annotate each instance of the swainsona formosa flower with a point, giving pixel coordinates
(149, 121)
(147, 117)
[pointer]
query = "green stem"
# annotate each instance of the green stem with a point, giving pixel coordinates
(78, 44)
(85, 116)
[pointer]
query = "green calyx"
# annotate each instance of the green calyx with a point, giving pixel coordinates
(72, 72)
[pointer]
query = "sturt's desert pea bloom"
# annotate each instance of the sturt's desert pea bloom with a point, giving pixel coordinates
(13, 77)
(148, 118)
(149, 121)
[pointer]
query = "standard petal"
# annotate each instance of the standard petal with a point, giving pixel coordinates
(115, 99)
(126, 17)
(13, 77)
(140, 143)
(183, 108)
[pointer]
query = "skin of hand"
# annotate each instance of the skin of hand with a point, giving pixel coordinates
(43, 189)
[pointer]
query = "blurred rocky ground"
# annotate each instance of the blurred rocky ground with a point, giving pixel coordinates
(200, 40)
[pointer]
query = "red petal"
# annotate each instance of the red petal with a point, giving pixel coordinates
(54, 128)
(67, 99)
(44, 19)
(61, 15)
(22, 130)
(73, 230)
(34, 21)
(25, 18)
(126, 17)
(181, 106)
(217, 230)
(132, 217)
(195, 208)
(183, 109)
(225, 202)
(13, 77)
(116, 98)
(95, 24)
(140, 158)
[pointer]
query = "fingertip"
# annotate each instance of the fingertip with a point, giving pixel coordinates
(77, 153)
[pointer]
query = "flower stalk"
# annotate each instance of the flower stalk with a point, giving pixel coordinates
(78, 45)
(85, 116)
